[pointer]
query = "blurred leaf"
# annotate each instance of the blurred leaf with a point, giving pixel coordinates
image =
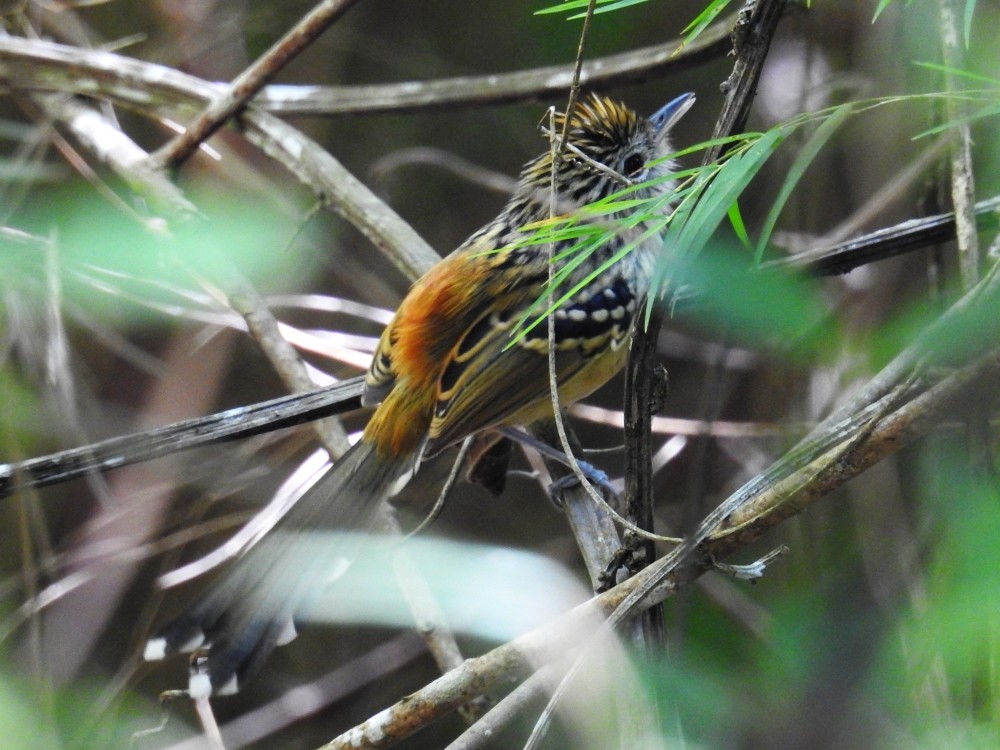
(970, 11)
(761, 309)
(21, 408)
(959, 73)
(989, 110)
(506, 592)
(952, 638)
(20, 725)
(969, 330)
(90, 238)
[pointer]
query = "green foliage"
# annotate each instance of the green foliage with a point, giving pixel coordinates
(21, 726)
(702, 21)
(967, 15)
(883, 4)
(21, 407)
(771, 310)
(703, 198)
(828, 126)
(602, 6)
(120, 269)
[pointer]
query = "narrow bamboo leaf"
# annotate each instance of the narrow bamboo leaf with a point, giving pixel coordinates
(703, 20)
(959, 73)
(809, 152)
(569, 5)
(882, 5)
(693, 225)
(583, 250)
(562, 7)
(736, 220)
(970, 10)
(988, 111)
(677, 219)
(609, 7)
(705, 145)
(731, 181)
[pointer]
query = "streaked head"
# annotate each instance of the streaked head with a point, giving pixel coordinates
(609, 147)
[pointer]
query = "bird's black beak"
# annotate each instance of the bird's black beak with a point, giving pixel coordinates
(670, 113)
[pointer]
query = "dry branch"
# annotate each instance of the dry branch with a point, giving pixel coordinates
(248, 83)
(158, 91)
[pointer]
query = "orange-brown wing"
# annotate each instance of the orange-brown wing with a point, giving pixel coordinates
(433, 315)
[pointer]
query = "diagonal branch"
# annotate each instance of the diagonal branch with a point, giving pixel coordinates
(248, 83)
(160, 91)
(240, 422)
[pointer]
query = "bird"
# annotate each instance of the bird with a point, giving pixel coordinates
(456, 360)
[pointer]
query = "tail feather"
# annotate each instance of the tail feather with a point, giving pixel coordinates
(251, 609)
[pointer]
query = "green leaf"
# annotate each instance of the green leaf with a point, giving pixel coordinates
(115, 268)
(704, 19)
(970, 10)
(959, 73)
(610, 7)
(562, 7)
(740, 139)
(805, 158)
(726, 186)
(988, 111)
(882, 5)
(602, 6)
(736, 220)
(762, 309)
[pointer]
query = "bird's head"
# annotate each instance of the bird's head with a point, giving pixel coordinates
(608, 148)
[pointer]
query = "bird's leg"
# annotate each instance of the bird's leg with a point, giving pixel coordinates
(594, 475)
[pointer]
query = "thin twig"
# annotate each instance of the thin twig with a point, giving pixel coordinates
(248, 83)
(669, 58)
(914, 234)
(483, 732)
(157, 90)
(241, 422)
(311, 698)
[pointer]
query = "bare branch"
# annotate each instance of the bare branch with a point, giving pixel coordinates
(156, 90)
(248, 83)
(668, 58)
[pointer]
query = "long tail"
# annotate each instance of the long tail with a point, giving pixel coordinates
(251, 610)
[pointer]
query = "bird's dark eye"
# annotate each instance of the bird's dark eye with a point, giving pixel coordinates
(633, 164)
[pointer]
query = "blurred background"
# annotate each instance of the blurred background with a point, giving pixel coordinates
(879, 628)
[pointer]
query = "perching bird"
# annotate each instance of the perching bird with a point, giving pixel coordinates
(449, 366)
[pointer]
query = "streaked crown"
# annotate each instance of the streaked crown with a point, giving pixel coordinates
(609, 148)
